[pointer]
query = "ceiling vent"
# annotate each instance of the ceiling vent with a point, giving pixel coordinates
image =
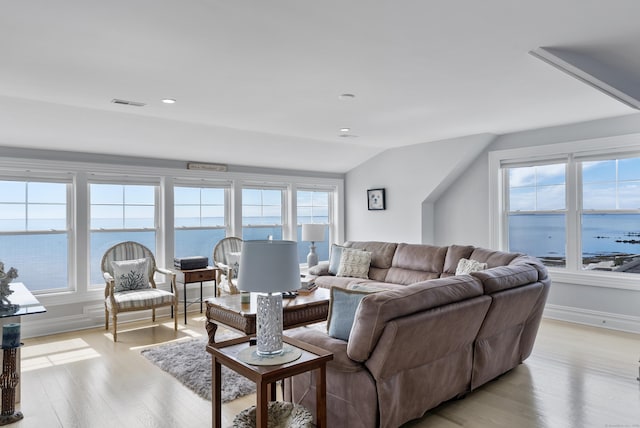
(128, 103)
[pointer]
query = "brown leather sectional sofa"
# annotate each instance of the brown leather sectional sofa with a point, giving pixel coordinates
(431, 337)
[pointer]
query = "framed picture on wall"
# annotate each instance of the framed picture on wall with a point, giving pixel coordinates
(375, 198)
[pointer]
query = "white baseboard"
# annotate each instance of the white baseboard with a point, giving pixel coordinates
(607, 320)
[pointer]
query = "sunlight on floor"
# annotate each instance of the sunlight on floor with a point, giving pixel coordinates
(56, 353)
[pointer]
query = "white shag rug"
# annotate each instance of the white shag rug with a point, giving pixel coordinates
(190, 363)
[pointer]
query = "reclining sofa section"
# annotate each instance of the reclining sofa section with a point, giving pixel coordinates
(429, 337)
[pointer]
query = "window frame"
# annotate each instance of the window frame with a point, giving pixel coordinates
(284, 223)
(69, 230)
(125, 180)
(204, 184)
(573, 152)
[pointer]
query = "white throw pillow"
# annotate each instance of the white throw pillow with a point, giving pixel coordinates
(469, 265)
(131, 274)
(354, 263)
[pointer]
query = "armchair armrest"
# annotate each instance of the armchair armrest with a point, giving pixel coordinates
(109, 284)
(172, 277)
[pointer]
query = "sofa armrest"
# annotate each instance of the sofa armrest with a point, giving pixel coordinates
(321, 339)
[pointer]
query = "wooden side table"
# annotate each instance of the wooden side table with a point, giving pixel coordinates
(312, 359)
(189, 276)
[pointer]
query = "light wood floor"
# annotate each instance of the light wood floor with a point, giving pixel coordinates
(577, 377)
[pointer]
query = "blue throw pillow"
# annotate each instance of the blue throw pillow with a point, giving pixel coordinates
(334, 259)
(342, 310)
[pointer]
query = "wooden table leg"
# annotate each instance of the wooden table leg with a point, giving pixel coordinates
(321, 397)
(211, 331)
(262, 407)
(216, 393)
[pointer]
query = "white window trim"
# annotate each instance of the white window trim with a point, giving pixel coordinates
(583, 149)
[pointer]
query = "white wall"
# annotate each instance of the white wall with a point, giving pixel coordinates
(411, 176)
(460, 208)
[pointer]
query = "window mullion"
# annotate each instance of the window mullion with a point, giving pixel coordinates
(574, 216)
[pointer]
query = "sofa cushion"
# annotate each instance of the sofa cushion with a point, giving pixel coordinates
(354, 263)
(426, 258)
(381, 252)
(466, 266)
(342, 308)
(493, 258)
(454, 254)
(334, 258)
(377, 309)
(505, 277)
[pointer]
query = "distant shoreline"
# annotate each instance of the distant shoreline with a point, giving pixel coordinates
(619, 262)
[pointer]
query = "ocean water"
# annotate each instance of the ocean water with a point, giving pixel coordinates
(42, 261)
(602, 234)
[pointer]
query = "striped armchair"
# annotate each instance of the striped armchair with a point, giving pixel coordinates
(130, 290)
(222, 259)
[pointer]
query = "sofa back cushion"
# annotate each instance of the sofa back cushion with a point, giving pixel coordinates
(414, 263)
(377, 309)
(492, 258)
(381, 256)
(505, 277)
(454, 254)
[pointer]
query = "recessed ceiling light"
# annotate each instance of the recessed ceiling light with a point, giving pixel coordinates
(343, 130)
(346, 97)
(348, 136)
(168, 101)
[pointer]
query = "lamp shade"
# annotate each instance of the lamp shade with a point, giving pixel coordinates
(269, 266)
(313, 232)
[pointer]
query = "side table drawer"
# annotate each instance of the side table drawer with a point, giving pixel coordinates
(204, 275)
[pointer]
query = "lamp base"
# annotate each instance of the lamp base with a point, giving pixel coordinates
(312, 257)
(269, 324)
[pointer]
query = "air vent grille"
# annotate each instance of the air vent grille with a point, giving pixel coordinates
(128, 103)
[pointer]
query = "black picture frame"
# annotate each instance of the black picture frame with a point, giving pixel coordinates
(375, 199)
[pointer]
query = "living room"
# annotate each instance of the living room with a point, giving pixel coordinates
(330, 98)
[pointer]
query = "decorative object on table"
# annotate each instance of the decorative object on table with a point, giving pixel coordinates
(189, 263)
(11, 335)
(312, 233)
(375, 198)
(5, 279)
(227, 264)
(281, 414)
(250, 356)
(269, 267)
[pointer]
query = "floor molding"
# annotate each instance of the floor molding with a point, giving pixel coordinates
(606, 320)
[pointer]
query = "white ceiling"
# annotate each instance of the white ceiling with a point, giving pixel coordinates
(257, 82)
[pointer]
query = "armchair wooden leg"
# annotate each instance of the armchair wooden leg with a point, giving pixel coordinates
(153, 315)
(115, 327)
(106, 319)
(175, 319)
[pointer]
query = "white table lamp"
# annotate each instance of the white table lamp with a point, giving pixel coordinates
(269, 267)
(312, 233)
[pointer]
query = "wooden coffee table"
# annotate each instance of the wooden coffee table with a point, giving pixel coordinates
(228, 310)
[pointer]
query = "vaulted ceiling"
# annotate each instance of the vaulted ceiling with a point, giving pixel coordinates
(259, 83)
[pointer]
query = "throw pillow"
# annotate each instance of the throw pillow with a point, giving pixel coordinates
(334, 258)
(343, 304)
(131, 274)
(469, 265)
(354, 263)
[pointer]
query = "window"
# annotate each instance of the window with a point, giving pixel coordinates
(200, 220)
(537, 211)
(34, 232)
(313, 207)
(580, 213)
(610, 226)
(120, 212)
(262, 210)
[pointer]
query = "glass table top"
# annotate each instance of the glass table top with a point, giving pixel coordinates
(21, 302)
